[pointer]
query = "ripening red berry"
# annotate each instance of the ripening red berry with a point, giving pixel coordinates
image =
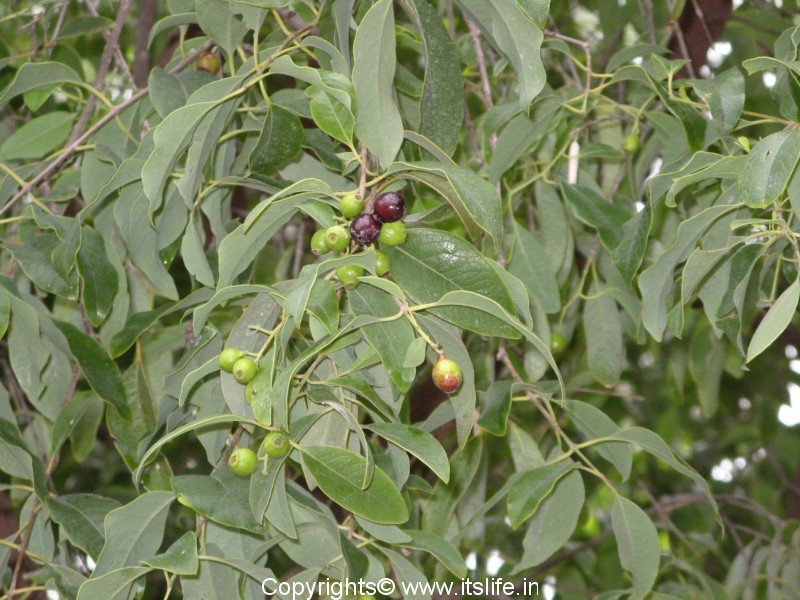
(447, 375)
(365, 229)
(390, 207)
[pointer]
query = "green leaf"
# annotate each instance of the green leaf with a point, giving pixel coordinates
(38, 137)
(133, 532)
(333, 117)
(509, 30)
(378, 122)
(496, 404)
(84, 25)
(100, 371)
(218, 21)
(531, 488)
(535, 10)
(656, 282)
(33, 76)
(441, 107)
(724, 94)
(223, 497)
(37, 260)
(602, 327)
(432, 263)
(417, 442)
(114, 585)
(100, 281)
(693, 123)
(769, 166)
(777, 319)
(180, 558)
(594, 423)
(554, 522)
(176, 433)
(637, 544)
(440, 548)
(174, 134)
(81, 516)
(652, 443)
(340, 473)
(389, 339)
(474, 199)
(280, 140)
(531, 265)
(629, 253)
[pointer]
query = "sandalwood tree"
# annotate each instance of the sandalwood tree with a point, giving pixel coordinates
(414, 291)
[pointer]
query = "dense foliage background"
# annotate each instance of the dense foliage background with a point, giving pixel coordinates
(611, 180)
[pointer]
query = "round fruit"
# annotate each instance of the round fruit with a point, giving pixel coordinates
(392, 234)
(351, 206)
(276, 444)
(318, 244)
(228, 357)
(243, 461)
(244, 370)
(381, 263)
(349, 274)
(365, 229)
(447, 375)
(337, 238)
(631, 143)
(558, 343)
(390, 207)
(209, 61)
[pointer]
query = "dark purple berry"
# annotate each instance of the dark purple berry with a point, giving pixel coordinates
(390, 207)
(365, 229)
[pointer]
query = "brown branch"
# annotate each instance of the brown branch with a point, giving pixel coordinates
(105, 119)
(111, 47)
(148, 10)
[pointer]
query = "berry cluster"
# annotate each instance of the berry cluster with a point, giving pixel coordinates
(243, 461)
(383, 225)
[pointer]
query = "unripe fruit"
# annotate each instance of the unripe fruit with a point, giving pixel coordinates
(558, 343)
(276, 444)
(392, 234)
(337, 238)
(631, 143)
(447, 375)
(209, 61)
(228, 358)
(390, 207)
(365, 229)
(243, 461)
(244, 370)
(381, 263)
(351, 206)
(349, 274)
(366, 597)
(318, 243)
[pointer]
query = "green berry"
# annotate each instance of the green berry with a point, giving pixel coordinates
(276, 444)
(392, 234)
(318, 244)
(631, 143)
(381, 263)
(447, 375)
(244, 370)
(243, 461)
(209, 61)
(337, 238)
(349, 274)
(558, 343)
(228, 357)
(351, 206)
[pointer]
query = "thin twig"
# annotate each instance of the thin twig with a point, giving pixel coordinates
(112, 44)
(105, 119)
